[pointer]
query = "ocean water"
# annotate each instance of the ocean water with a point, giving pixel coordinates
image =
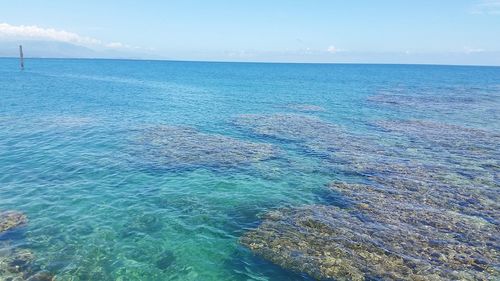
(154, 170)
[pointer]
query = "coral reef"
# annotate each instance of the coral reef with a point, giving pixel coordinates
(452, 138)
(182, 147)
(434, 188)
(430, 211)
(319, 138)
(380, 237)
(292, 127)
(421, 101)
(11, 219)
(19, 265)
(448, 98)
(456, 168)
(166, 260)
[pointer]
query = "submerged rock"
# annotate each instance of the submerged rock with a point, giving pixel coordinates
(165, 260)
(19, 265)
(403, 99)
(332, 144)
(442, 189)
(469, 150)
(401, 229)
(437, 185)
(384, 202)
(291, 127)
(178, 147)
(11, 219)
(446, 166)
(19, 260)
(142, 224)
(459, 140)
(380, 238)
(447, 99)
(319, 138)
(430, 212)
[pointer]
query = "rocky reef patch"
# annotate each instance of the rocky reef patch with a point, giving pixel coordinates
(11, 219)
(291, 127)
(379, 237)
(447, 98)
(318, 137)
(431, 135)
(429, 208)
(18, 264)
(183, 147)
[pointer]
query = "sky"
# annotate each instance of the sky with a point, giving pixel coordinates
(324, 31)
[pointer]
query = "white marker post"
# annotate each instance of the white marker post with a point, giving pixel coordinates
(21, 56)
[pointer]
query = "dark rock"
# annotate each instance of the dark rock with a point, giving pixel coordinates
(166, 260)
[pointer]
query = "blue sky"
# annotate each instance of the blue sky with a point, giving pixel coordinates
(391, 31)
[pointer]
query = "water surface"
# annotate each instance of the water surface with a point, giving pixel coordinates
(144, 170)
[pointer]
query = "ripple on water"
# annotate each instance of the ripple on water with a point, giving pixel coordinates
(303, 107)
(175, 209)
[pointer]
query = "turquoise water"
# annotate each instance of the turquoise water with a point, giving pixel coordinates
(96, 153)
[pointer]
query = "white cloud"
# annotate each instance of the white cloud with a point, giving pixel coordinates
(469, 50)
(115, 45)
(33, 32)
(490, 7)
(334, 50)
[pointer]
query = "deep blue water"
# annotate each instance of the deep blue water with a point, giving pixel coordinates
(105, 203)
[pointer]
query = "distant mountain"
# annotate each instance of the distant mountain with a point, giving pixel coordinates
(45, 49)
(56, 49)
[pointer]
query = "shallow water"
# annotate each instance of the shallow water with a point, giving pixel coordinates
(106, 201)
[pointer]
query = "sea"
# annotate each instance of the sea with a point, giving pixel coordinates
(155, 170)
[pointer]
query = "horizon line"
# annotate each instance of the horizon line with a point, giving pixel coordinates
(252, 62)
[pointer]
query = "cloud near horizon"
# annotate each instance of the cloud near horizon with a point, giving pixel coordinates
(488, 7)
(469, 50)
(332, 49)
(34, 32)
